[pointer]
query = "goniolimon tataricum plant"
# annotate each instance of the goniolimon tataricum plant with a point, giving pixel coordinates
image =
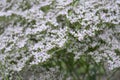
(59, 39)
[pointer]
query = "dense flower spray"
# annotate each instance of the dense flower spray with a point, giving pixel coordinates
(33, 31)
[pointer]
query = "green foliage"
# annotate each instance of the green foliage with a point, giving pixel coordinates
(85, 68)
(117, 51)
(45, 8)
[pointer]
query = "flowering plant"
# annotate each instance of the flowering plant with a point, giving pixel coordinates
(65, 39)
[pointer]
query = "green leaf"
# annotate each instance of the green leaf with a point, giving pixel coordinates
(45, 8)
(70, 12)
(117, 51)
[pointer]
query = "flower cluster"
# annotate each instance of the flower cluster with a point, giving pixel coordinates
(29, 29)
